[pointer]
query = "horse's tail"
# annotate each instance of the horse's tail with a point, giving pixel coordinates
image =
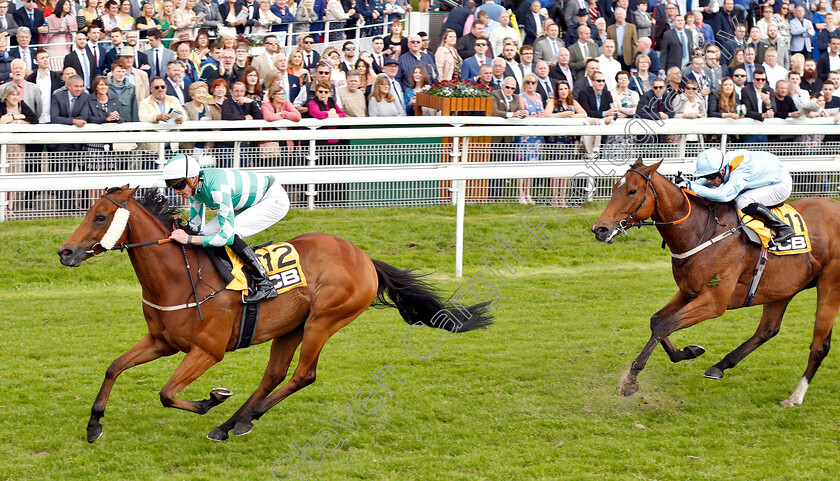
(417, 302)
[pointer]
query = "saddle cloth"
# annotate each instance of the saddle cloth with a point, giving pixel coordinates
(758, 233)
(281, 261)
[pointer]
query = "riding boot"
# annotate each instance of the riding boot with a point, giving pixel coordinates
(264, 287)
(783, 231)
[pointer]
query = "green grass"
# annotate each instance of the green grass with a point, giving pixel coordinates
(534, 397)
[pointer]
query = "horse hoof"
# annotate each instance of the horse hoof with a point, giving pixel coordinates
(713, 373)
(94, 433)
(241, 429)
(628, 388)
(221, 394)
(217, 435)
(788, 403)
(694, 351)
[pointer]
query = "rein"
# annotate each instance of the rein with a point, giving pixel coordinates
(123, 246)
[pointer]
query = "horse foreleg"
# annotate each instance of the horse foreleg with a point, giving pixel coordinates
(705, 306)
(676, 355)
(194, 364)
(828, 304)
(148, 349)
(282, 351)
(771, 321)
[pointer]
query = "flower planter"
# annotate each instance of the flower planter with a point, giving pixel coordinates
(451, 105)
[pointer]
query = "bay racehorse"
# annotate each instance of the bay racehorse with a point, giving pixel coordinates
(342, 282)
(718, 277)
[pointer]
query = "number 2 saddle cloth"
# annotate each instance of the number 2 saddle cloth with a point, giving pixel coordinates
(758, 233)
(281, 261)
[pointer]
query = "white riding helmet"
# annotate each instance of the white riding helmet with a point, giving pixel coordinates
(180, 167)
(710, 161)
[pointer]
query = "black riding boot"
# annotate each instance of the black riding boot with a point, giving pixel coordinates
(783, 231)
(264, 287)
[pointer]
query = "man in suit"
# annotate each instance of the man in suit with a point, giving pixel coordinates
(582, 50)
(802, 33)
(625, 36)
(291, 83)
(664, 23)
(264, 62)
(533, 23)
(458, 18)
(780, 44)
(717, 69)
(33, 19)
(31, 93)
(547, 48)
(726, 20)
(8, 26)
(571, 9)
(759, 45)
(757, 97)
(466, 44)
(182, 52)
(66, 108)
(158, 55)
(511, 65)
(583, 19)
(175, 85)
(47, 82)
(729, 45)
(750, 64)
(81, 59)
(597, 99)
(654, 105)
(471, 66)
(507, 105)
(830, 61)
(562, 70)
(310, 55)
(698, 72)
(210, 9)
(378, 58)
(585, 81)
(99, 50)
(23, 51)
(498, 69)
(545, 84)
(676, 45)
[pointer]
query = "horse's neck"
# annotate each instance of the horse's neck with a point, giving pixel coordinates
(156, 266)
(673, 205)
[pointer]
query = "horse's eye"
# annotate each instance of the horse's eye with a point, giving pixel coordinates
(100, 218)
(631, 192)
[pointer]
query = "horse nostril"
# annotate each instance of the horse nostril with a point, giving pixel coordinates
(65, 252)
(599, 229)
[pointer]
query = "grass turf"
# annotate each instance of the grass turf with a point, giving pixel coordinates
(533, 397)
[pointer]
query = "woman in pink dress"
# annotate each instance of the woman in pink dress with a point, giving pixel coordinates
(62, 24)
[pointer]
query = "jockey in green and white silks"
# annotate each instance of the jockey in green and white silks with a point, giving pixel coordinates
(247, 202)
(754, 180)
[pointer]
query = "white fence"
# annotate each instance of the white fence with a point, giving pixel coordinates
(387, 161)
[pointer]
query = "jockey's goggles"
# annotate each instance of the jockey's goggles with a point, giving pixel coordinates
(177, 184)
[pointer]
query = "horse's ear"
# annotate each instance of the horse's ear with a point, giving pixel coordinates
(655, 166)
(638, 163)
(125, 187)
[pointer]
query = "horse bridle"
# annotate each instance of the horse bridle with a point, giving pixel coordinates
(123, 246)
(624, 224)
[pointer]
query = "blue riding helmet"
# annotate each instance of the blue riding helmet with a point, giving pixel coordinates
(710, 161)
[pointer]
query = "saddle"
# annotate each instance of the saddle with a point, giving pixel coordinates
(758, 233)
(282, 263)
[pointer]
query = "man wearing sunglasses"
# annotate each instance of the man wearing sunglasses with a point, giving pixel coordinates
(754, 180)
(247, 202)
(758, 97)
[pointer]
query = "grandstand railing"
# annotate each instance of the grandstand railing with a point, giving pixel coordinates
(387, 161)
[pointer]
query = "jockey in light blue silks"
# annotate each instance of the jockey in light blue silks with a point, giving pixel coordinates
(247, 202)
(755, 180)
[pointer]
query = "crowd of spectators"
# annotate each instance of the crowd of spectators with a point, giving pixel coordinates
(174, 60)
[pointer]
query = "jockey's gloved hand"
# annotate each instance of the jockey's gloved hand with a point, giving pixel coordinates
(682, 183)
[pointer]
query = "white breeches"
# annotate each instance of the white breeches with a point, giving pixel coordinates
(259, 217)
(768, 195)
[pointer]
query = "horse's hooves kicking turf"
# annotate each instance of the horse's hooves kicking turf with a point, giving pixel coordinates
(713, 373)
(217, 435)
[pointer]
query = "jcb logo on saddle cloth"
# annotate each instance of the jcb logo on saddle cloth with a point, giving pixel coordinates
(282, 263)
(797, 244)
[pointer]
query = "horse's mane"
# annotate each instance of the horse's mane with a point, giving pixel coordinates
(154, 201)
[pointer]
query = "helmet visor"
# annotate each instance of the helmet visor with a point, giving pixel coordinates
(177, 184)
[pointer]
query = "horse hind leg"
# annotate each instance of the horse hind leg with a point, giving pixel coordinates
(282, 351)
(768, 327)
(316, 332)
(828, 304)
